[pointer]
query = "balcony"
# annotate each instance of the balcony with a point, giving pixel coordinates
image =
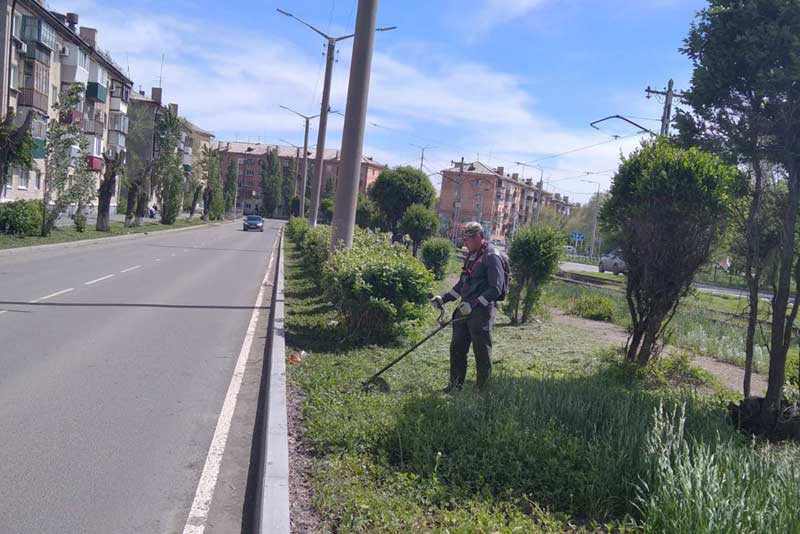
(118, 122)
(38, 148)
(95, 163)
(116, 140)
(117, 104)
(93, 126)
(96, 92)
(73, 117)
(33, 99)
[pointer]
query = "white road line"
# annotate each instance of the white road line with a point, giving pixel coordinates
(57, 293)
(3, 311)
(158, 259)
(198, 515)
(129, 269)
(98, 280)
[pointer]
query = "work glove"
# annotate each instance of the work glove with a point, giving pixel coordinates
(438, 302)
(464, 309)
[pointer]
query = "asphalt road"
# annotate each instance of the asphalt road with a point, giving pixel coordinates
(115, 361)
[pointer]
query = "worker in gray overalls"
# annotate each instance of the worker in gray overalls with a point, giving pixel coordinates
(479, 287)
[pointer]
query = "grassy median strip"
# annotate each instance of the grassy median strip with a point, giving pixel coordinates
(567, 439)
(69, 234)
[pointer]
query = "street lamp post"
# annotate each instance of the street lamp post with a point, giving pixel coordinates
(596, 210)
(324, 109)
(307, 119)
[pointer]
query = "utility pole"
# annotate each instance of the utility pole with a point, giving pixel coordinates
(457, 207)
(592, 247)
(539, 196)
(316, 185)
(355, 119)
(422, 156)
(668, 95)
(307, 119)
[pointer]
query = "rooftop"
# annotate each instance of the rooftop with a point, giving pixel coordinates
(284, 151)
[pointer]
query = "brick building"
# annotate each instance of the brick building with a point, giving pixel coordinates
(499, 201)
(250, 156)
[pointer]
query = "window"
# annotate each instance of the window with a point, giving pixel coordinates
(38, 175)
(249, 172)
(47, 35)
(23, 179)
(38, 128)
(83, 59)
(13, 82)
(17, 26)
(53, 95)
(240, 161)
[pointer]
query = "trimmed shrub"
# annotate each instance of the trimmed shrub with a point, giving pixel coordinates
(533, 255)
(21, 217)
(436, 255)
(316, 250)
(594, 307)
(296, 229)
(380, 290)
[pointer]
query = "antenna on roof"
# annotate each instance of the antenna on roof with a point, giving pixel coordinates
(161, 72)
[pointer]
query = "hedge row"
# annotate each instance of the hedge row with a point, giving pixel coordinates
(379, 289)
(21, 217)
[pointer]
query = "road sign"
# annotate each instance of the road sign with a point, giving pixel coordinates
(577, 236)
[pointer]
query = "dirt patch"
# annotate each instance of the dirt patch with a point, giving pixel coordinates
(728, 375)
(303, 514)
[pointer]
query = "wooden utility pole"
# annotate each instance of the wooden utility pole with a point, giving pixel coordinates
(669, 94)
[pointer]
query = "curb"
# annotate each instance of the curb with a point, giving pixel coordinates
(100, 240)
(272, 515)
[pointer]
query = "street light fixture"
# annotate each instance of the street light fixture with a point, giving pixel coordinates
(325, 108)
(307, 119)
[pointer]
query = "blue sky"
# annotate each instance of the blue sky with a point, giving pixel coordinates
(506, 80)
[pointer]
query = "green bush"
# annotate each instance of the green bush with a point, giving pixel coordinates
(594, 307)
(379, 289)
(21, 217)
(296, 229)
(436, 255)
(533, 257)
(316, 250)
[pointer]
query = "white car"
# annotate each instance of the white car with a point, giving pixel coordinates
(613, 262)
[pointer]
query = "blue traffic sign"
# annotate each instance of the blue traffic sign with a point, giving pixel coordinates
(577, 236)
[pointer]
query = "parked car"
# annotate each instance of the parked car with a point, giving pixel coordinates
(613, 262)
(569, 249)
(253, 222)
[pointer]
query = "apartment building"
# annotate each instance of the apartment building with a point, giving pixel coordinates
(500, 201)
(143, 149)
(249, 158)
(42, 53)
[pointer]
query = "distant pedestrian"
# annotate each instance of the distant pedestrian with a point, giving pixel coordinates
(481, 285)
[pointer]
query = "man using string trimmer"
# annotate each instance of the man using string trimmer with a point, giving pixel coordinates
(483, 282)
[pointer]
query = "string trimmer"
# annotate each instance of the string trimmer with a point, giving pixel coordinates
(376, 382)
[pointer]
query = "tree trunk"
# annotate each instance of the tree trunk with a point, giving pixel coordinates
(195, 199)
(752, 273)
(141, 207)
(107, 187)
(133, 193)
(778, 343)
(752, 323)
(207, 195)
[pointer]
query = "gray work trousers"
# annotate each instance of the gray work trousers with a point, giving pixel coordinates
(475, 330)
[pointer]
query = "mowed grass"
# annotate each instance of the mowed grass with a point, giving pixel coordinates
(567, 439)
(68, 234)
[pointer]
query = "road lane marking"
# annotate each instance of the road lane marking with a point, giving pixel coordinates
(129, 269)
(3, 311)
(198, 515)
(158, 259)
(98, 280)
(57, 293)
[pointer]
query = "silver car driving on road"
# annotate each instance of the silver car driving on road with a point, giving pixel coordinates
(612, 262)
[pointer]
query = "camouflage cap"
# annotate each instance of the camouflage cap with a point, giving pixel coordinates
(471, 229)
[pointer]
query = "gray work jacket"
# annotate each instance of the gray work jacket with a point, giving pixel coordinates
(482, 278)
